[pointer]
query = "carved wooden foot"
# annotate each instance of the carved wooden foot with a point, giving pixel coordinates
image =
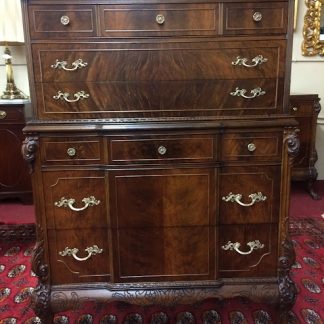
(41, 304)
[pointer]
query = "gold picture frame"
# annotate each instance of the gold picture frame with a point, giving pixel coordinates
(312, 45)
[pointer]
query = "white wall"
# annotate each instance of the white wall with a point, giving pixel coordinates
(307, 78)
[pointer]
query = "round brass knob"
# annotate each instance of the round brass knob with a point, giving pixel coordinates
(3, 114)
(295, 109)
(71, 151)
(65, 20)
(160, 19)
(257, 16)
(251, 147)
(162, 150)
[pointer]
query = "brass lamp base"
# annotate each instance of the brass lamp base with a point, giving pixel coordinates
(12, 92)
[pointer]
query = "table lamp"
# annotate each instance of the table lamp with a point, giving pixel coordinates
(11, 33)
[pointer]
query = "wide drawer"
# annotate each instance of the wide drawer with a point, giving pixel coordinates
(160, 149)
(71, 150)
(249, 195)
(159, 99)
(255, 18)
(75, 199)
(79, 256)
(248, 250)
(251, 146)
(160, 19)
(62, 21)
(177, 61)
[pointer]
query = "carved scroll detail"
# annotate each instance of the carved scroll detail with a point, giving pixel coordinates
(292, 141)
(28, 150)
(287, 288)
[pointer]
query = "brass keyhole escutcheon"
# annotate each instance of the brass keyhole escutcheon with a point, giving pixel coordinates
(257, 16)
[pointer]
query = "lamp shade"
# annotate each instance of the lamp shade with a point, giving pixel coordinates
(11, 27)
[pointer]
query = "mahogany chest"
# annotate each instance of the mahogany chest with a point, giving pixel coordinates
(161, 145)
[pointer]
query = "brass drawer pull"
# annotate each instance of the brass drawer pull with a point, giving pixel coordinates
(88, 202)
(160, 19)
(258, 60)
(91, 250)
(78, 64)
(257, 16)
(65, 20)
(65, 96)
(3, 114)
(295, 108)
(251, 147)
(71, 151)
(254, 245)
(242, 93)
(255, 197)
(162, 150)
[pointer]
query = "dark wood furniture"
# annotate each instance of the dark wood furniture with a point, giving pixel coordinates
(15, 181)
(159, 145)
(305, 108)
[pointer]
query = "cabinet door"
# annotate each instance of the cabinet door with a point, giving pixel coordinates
(162, 224)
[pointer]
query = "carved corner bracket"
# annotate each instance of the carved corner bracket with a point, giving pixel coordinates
(311, 31)
(28, 150)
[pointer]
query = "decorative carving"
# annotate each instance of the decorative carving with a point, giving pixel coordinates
(287, 288)
(17, 232)
(133, 319)
(185, 318)
(211, 317)
(28, 150)
(311, 31)
(292, 140)
(109, 319)
(42, 293)
(159, 318)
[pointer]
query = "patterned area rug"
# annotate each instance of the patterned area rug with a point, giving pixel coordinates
(17, 283)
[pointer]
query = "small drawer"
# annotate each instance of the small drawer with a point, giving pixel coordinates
(75, 199)
(158, 20)
(79, 256)
(72, 150)
(64, 21)
(249, 195)
(12, 114)
(190, 148)
(255, 18)
(302, 109)
(248, 250)
(265, 146)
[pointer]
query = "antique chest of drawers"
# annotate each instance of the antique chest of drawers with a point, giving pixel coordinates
(160, 145)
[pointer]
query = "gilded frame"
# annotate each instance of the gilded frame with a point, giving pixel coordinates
(312, 45)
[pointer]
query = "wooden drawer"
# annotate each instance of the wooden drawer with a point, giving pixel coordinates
(251, 146)
(256, 255)
(12, 114)
(72, 150)
(94, 265)
(62, 21)
(302, 108)
(249, 195)
(116, 61)
(159, 149)
(159, 20)
(255, 18)
(75, 199)
(159, 99)
(164, 254)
